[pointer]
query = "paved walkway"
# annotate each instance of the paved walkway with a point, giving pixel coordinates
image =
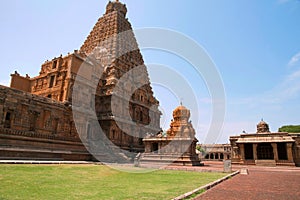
(261, 183)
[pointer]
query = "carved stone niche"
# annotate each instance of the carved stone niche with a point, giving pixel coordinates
(55, 123)
(8, 118)
(33, 116)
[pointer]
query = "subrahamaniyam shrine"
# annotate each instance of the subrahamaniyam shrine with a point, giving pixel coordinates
(97, 103)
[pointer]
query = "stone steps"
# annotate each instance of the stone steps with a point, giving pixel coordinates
(268, 163)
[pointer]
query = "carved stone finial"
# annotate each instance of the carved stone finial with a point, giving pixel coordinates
(262, 127)
(181, 100)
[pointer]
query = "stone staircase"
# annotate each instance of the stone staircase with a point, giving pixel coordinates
(267, 163)
(107, 153)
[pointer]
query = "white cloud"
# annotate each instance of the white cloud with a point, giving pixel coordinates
(290, 87)
(294, 60)
(287, 89)
(283, 95)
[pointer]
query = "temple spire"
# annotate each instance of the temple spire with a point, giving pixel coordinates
(103, 32)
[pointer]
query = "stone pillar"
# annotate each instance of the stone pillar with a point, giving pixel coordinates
(242, 152)
(274, 145)
(254, 146)
(147, 147)
(234, 151)
(289, 152)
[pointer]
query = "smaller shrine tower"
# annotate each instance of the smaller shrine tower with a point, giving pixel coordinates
(262, 127)
(176, 146)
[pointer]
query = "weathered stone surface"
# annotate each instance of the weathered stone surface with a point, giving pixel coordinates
(40, 107)
(175, 147)
(266, 148)
(227, 166)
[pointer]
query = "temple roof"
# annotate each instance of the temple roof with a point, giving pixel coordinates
(106, 30)
(265, 139)
(263, 127)
(181, 112)
(116, 6)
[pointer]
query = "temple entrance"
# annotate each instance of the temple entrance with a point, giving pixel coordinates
(249, 152)
(265, 151)
(155, 147)
(282, 153)
(217, 156)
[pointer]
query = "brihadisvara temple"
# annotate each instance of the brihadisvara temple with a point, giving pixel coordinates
(97, 104)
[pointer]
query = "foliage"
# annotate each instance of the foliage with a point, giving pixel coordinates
(95, 182)
(200, 149)
(290, 129)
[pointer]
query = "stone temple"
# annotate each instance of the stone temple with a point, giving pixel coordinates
(177, 145)
(36, 118)
(266, 148)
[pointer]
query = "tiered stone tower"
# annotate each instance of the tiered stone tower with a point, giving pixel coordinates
(126, 111)
(180, 125)
(175, 147)
(113, 41)
(263, 127)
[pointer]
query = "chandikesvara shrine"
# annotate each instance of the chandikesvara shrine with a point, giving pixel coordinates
(37, 119)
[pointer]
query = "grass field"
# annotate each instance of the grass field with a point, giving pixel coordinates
(95, 182)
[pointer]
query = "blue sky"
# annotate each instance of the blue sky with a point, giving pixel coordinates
(254, 44)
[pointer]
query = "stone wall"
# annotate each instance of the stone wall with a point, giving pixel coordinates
(107, 55)
(35, 126)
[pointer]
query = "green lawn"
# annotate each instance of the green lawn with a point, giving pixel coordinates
(95, 182)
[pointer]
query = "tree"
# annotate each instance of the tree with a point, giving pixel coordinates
(200, 149)
(290, 129)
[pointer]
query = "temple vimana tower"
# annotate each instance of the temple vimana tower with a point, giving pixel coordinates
(36, 112)
(177, 145)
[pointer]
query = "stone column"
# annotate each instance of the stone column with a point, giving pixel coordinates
(289, 152)
(242, 152)
(274, 145)
(254, 146)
